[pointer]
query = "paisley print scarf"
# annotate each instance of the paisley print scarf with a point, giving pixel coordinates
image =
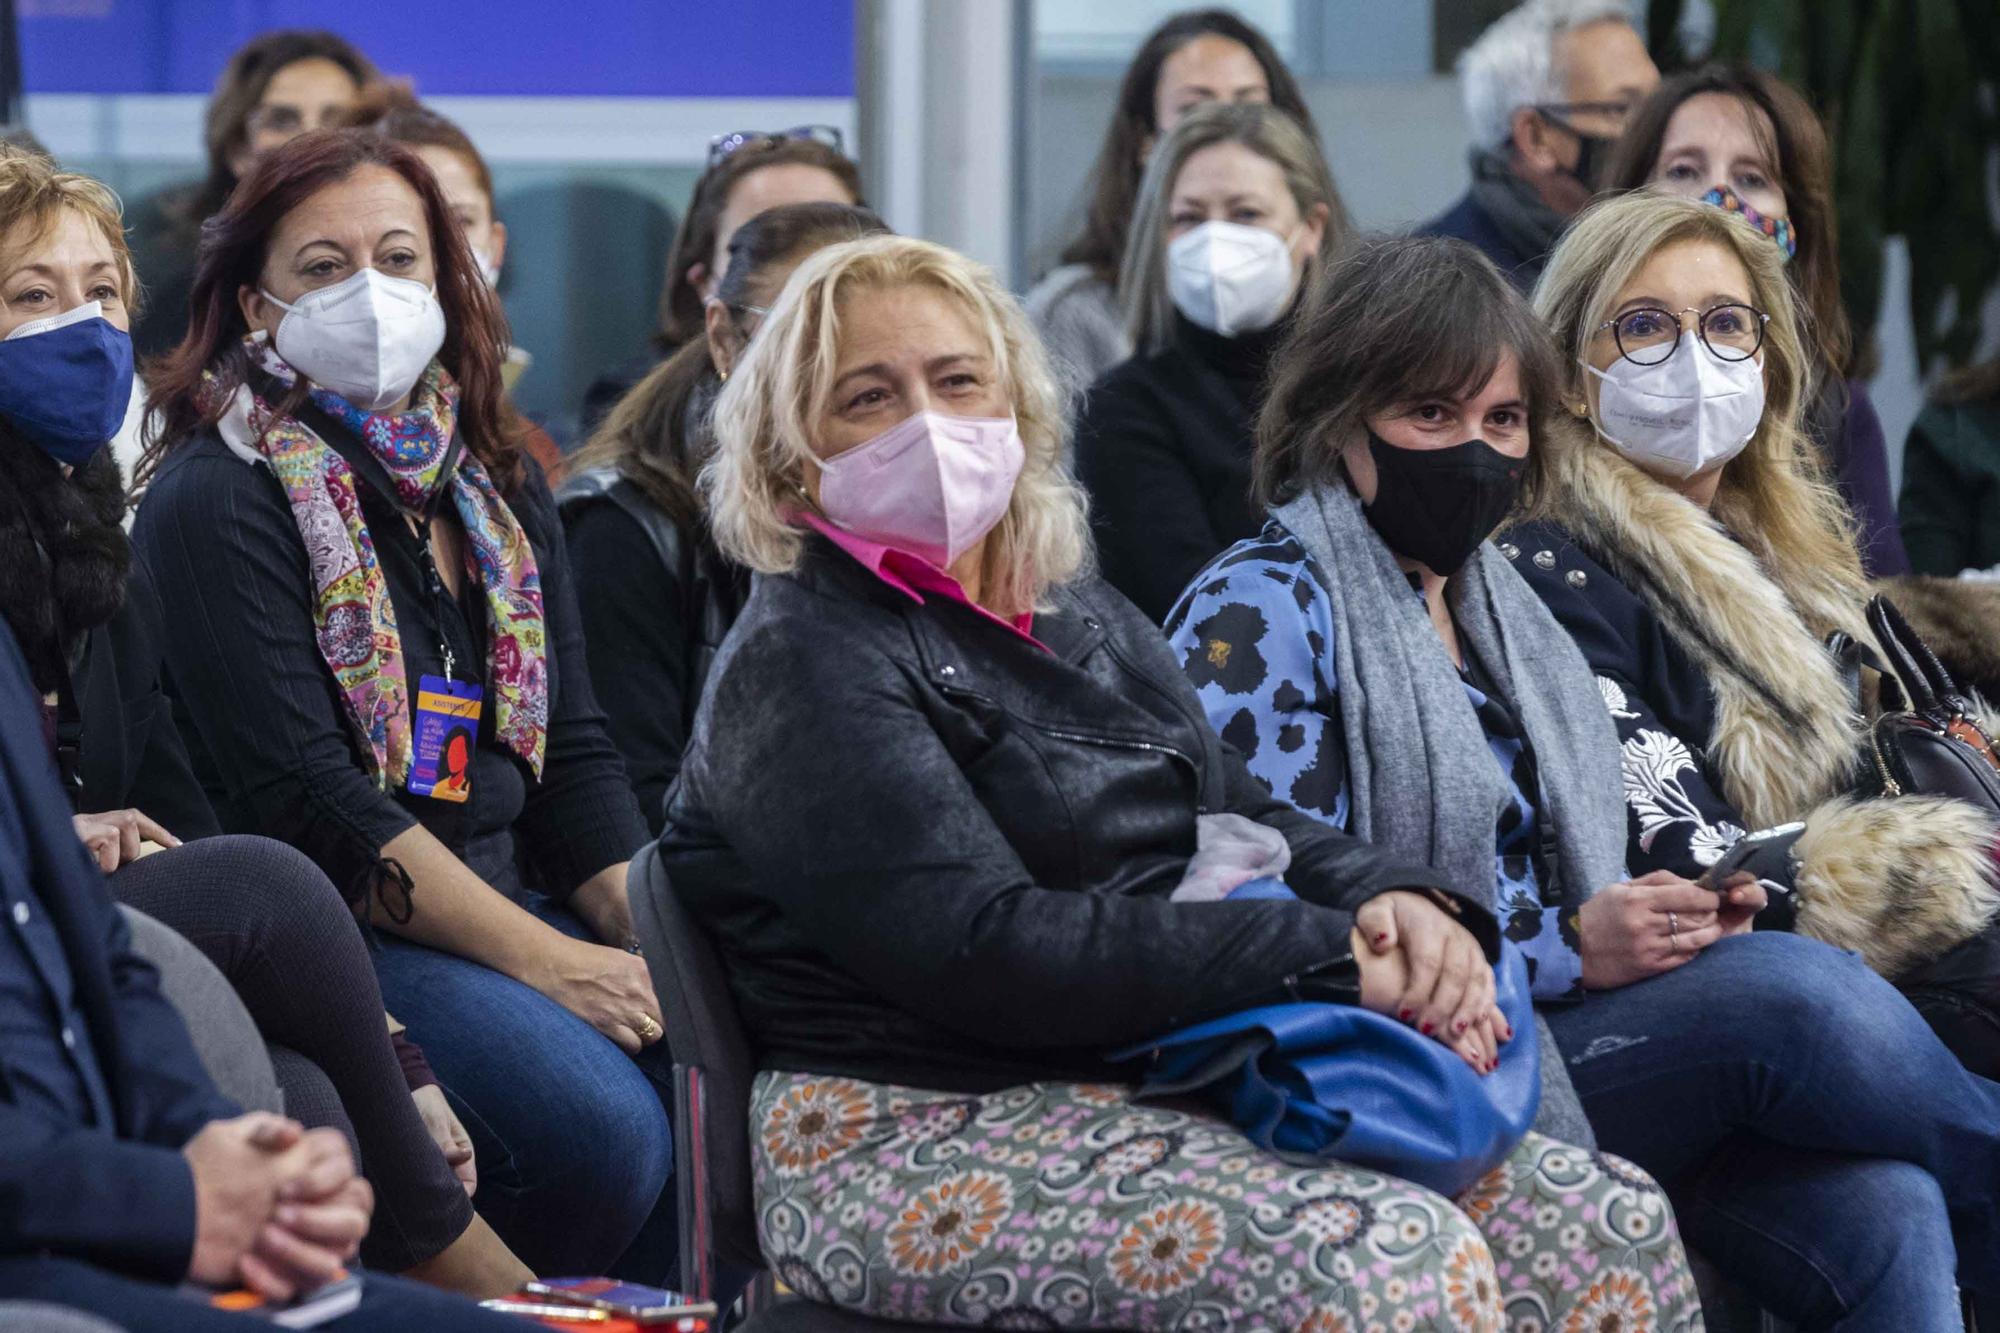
(354, 619)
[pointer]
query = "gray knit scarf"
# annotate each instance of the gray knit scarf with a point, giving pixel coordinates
(1422, 780)
(1516, 210)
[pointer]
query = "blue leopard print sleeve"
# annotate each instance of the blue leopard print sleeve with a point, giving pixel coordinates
(1254, 633)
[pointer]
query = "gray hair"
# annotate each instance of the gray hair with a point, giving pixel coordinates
(1264, 130)
(1512, 65)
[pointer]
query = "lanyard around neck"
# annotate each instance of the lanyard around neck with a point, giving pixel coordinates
(340, 438)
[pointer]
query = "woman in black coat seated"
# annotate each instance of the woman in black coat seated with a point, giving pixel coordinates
(1388, 670)
(657, 597)
(1699, 557)
(1236, 213)
(88, 620)
(369, 612)
(939, 802)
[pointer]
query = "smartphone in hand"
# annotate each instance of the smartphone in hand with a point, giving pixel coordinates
(1763, 854)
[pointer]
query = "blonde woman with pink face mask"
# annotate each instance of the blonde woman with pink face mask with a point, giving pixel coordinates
(942, 806)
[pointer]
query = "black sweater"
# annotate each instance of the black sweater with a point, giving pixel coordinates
(271, 734)
(131, 750)
(1163, 445)
(657, 601)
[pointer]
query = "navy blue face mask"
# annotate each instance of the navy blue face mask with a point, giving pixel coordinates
(66, 382)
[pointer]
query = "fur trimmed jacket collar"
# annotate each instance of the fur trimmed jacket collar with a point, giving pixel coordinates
(1897, 879)
(1786, 733)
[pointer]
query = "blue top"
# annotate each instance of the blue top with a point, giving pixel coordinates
(1255, 631)
(45, 1051)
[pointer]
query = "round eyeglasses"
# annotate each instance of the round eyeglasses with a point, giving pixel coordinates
(1648, 335)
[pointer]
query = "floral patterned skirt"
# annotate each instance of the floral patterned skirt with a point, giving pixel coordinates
(1060, 1205)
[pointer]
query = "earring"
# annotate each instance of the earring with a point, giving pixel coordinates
(722, 376)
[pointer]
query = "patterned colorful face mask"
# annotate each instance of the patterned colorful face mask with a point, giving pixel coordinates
(1778, 229)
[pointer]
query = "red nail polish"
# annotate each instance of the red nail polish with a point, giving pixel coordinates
(1458, 1028)
(1381, 936)
(1407, 1015)
(1428, 1027)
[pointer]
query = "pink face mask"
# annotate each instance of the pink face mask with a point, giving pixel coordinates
(931, 485)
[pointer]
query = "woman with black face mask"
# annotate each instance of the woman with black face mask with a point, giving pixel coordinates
(1354, 639)
(1355, 652)
(1388, 669)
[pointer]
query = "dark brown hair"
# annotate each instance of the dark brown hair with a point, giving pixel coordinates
(391, 110)
(1396, 320)
(234, 244)
(1114, 180)
(1803, 163)
(225, 128)
(694, 243)
(649, 437)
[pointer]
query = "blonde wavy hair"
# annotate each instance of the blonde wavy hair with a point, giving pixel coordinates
(1774, 497)
(35, 191)
(767, 417)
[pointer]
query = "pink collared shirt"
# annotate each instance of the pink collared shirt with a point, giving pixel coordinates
(911, 575)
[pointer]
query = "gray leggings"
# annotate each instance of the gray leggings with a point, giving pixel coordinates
(279, 931)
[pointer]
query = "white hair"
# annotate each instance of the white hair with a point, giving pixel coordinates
(1512, 65)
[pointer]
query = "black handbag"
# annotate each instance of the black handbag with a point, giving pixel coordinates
(1925, 741)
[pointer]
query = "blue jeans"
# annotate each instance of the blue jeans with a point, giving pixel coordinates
(1821, 1146)
(570, 1134)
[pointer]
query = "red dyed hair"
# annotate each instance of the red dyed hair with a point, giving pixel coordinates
(234, 245)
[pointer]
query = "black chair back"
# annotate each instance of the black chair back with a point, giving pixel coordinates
(713, 1069)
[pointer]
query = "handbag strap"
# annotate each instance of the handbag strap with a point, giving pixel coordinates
(1849, 656)
(1932, 693)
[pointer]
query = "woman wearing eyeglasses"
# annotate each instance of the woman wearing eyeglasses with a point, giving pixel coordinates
(1742, 139)
(657, 597)
(1700, 559)
(748, 172)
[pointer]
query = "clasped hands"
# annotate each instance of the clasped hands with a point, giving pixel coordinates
(278, 1207)
(1420, 964)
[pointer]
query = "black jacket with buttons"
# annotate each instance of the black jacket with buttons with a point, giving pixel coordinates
(1659, 698)
(935, 854)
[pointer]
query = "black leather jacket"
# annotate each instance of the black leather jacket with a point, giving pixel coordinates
(934, 854)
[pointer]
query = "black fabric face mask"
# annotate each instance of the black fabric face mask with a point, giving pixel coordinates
(1436, 505)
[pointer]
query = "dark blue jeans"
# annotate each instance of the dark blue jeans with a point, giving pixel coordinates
(1821, 1146)
(571, 1135)
(388, 1305)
